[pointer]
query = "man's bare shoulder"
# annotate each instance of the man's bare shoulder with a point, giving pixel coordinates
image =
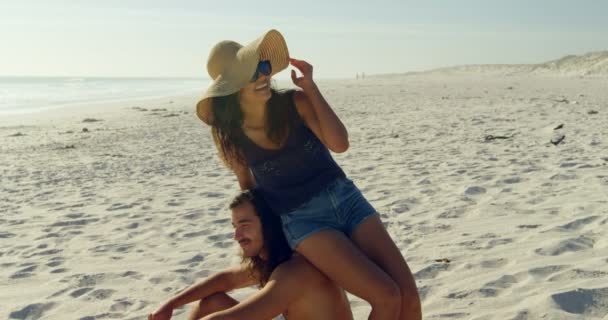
(297, 270)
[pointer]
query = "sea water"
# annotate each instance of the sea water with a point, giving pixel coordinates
(20, 95)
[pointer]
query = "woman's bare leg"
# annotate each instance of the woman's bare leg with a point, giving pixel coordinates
(373, 239)
(213, 303)
(337, 257)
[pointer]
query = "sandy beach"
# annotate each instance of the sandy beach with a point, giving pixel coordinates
(494, 186)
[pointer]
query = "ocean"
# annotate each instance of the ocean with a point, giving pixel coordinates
(19, 95)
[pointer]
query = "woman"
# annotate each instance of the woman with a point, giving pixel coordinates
(280, 142)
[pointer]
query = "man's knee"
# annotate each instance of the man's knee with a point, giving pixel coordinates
(213, 303)
(217, 299)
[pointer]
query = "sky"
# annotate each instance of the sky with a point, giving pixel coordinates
(172, 38)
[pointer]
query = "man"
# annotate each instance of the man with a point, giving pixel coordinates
(289, 284)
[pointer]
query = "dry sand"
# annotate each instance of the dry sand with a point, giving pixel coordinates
(106, 224)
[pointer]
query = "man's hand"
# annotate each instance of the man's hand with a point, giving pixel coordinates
(305, 81)
(163, 313)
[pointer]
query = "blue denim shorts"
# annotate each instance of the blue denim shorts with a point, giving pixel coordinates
(340, 206)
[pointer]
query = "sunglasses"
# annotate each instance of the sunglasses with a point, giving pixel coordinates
(264, 67)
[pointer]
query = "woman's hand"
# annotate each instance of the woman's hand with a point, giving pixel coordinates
(163, 313)
(305, 81)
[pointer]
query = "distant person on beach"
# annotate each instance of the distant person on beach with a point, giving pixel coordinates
(289, 284)
(280, 143)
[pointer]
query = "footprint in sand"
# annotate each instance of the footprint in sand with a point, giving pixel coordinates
(162, 277)
(423, 292)
(101, 294)
(522, 315)
(569, 245)
(497, 242)
(455, 315)
(60, 270)
(474, 191)
(24, 273)
(58, 293)
(131, 274)
(579, 274)
(528, 226)
(460, 294)
(6, 235)
(576, 224)
(122, 305)
(221, 237)
(399, 207)
(431, 271)
(452, 213)
(32, 311)
(585, 302)
(563, 177)
(568, 164)
(174, 203)
(494, 263)
(193, 215)
(222, 221)
(45, 253)
(85, 280)
(224, 245)
(512, 180)
(73, 223)
(122, 206)
(133, 225)
(55, 261)
(493, 288)
(121, 248)
(213, 195)
(109, 315)
(197, 234)
(79, 292)
(489, 290)
(542, 272)
(196, 259)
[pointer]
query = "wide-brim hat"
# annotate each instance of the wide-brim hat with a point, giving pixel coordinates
(232, 65)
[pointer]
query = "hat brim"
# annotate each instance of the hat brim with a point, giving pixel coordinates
(270, 46)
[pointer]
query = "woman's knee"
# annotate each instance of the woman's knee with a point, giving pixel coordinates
(387, 294)
(410, 300)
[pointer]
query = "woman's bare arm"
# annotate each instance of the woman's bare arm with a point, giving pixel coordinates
(316, 112)
(244, 176)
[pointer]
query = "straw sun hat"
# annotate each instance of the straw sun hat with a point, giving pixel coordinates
(232, 65)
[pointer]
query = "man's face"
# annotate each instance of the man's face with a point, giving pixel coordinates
(247, 229)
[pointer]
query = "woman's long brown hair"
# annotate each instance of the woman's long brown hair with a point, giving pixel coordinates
(228, 120)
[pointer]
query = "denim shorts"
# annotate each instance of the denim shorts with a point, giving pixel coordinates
(340, 206)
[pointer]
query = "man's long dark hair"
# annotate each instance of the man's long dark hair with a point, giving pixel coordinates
(275, 244)
(228, 120)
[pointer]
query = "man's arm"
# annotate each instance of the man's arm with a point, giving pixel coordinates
(283, 288)
(224, 281)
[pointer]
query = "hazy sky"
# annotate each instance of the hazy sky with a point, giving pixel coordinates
(153, 38)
